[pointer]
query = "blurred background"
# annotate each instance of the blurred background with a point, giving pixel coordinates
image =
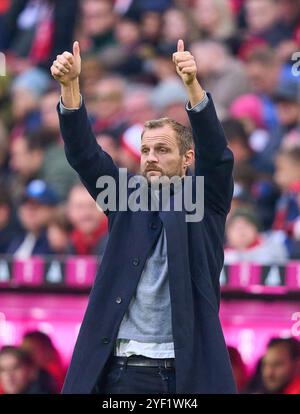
(52, 236)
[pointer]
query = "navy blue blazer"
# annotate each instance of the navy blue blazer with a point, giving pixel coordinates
(195, 260)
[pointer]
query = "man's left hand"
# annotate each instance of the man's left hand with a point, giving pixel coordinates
(185, 64)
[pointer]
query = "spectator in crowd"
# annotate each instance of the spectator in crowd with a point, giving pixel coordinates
(238, 141)
(249, 110)
(287, 100)
(138, 105)
(168, 90)
(125, 56)
(109, 94)
(5, 101)
(289, 12)
(48, 120)
(130, 154)
(59, 232)
(291, 139)
(251, 171)
(89, 223)
(4, 169)
(138, 8)
(245, 242)
(96, 30)
(287, 110)
(92, 72)
(39, 156)
(8, 223)
(239, 368)
(287, 177)
(36, 30)
(151, 26)
(4, 6)
(111, 144)
(280, 367)
(215, 20)
(40, 346)
(255, 382)
(36, 209)
(177, 24)
(264, 23)
(175, 110)
(26, 91)
(257, 191)
(243, 181)
(264, 71)
(20, 375)
(221, 74)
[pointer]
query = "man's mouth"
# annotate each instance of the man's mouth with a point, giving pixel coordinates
(152, 170)
(153, 173)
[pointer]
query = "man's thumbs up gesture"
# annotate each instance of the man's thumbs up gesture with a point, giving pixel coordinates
(186, 68)
(67, 67)
(185, 64)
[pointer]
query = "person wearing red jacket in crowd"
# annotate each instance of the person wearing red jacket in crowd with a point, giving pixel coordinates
(89, 234)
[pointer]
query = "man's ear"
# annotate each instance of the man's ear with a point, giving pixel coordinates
(189, 157)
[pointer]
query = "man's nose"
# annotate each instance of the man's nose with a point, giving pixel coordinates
(152, 157)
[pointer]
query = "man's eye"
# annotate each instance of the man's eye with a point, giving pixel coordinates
(163, 150)
(144, 151)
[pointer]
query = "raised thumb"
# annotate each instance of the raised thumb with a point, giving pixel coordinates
(180, 46)
(76, 49)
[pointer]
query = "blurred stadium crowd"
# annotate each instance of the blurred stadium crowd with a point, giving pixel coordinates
(245, 52)
(35, 367)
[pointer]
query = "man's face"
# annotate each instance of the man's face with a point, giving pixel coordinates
(278, 369)
(204, 56)
(34, 216)
(259, 82)
(109, 96)
(261, 14)
(177, 112)
(49, 117)
(14, 376)
(207, 15)
(97, 17)
(241, 233)
(23, 161)
(287, 172)
(288, 113)
(160, 154)
(82, 211)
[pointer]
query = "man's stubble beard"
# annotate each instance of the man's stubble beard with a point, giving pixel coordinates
(178, 173)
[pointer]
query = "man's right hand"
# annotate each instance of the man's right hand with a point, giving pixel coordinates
(67, 67)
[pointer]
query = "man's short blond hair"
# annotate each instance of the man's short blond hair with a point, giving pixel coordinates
(183, 134)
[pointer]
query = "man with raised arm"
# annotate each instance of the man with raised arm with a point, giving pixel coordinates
(152, 322)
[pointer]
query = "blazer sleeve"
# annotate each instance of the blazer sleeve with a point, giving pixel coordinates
(213, 158)
(82, 151)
